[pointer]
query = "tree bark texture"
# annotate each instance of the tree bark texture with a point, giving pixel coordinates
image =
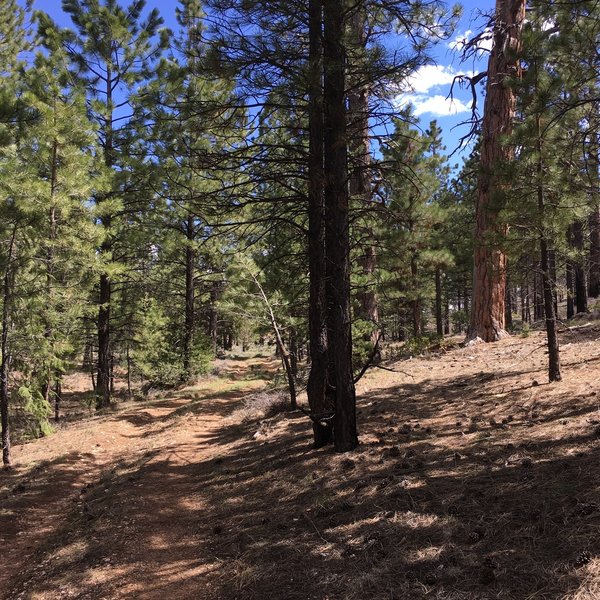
(580, 286)
(547, 281)
(439, 319)
(337, 223)
(104, 324)
(319, 400)
(489, 277)
(5, 357)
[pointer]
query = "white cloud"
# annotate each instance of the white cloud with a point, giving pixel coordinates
(427, 89)
(436, 105)
(484, 41)
(430, 76)
(460, 40)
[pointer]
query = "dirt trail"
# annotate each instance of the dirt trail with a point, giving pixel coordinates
(60, 480)
(475, 480)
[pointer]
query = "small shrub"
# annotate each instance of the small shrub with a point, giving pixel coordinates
(36, 410)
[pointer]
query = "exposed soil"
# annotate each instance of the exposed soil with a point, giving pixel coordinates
(475, 479)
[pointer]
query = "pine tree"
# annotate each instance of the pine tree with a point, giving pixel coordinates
(487, 313)
(13, 42)
(112, 49)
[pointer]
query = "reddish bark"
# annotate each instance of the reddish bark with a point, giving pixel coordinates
(488, 315)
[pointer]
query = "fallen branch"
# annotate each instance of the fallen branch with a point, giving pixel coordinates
(370, 360)
(393, 370)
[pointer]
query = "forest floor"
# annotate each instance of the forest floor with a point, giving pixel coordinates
(475, 479)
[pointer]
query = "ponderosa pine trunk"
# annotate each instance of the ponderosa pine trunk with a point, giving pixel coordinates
(319, 398)
(337, 236)
(489, 276)
(360, 177)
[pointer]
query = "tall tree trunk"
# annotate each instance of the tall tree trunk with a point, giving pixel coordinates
(319, 399)
(7, 293)
(538, 285)
(337, 222)
(104, 323)
(489, 277)
(360, 177)
(594, 218)
(570, 290)
(439, 320)
(594, 278)
(552, 271)
(52, 234)
(415, 302)
(188, 336)
(578, 268)
(213, 316)
(547, 281)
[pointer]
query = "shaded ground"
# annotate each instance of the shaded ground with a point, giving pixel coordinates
(474, 480)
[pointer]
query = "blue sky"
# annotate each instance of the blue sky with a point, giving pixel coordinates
(429, 88)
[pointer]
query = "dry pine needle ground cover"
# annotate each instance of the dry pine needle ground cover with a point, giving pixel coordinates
(475, 479)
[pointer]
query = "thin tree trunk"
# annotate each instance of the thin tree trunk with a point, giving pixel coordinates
(283, 351)
(570, 290)
(188, 336)
(579, 270)
(439, 321)
(5, 357)
(57, 398)
(415, 302)
(552, 272)
(104, 313)
(128, 359)
(360, 179)
(594, 218)
(447, 330)
(548, 283)
(213, 316)
(319, 399)
(294, 351)
(337, 222)
(489, 278)
(52, 235)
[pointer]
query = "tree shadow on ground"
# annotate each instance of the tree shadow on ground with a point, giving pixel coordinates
(405, 516)
(466, 487)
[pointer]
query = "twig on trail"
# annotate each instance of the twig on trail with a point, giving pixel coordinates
(544, 345)
(315, 528)
(393, 370)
